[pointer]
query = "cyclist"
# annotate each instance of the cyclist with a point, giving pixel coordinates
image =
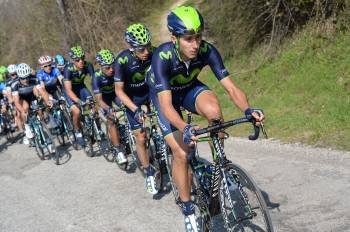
(60, 62)
(75, 90)
(12, 71)
(104, 91)
(24, 91)
(130, 69)
(49, 77)
(174, 71)
(3, 72)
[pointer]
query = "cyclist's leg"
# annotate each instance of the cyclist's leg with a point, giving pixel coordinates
(201, 100)
(173, 137)
(74, 109)
(140, 138)
(112, 129)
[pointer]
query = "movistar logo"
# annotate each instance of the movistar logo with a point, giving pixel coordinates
(78, 79)
(204, 48)
(182, 80)
(138, 77)
(107, 88)
(165, 55)
(123, 60)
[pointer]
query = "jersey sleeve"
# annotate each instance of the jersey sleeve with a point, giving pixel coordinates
(95, 85)
(215, 62)
(56, 72)
(160, 68)
(118, 72)
(67, 74)
(39, 76)
(91, 70)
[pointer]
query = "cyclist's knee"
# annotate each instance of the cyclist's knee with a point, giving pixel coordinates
(140, 137)
(180, 155)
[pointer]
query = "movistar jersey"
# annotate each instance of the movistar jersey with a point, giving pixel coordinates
(169, 72)
(48, 78)
(77, 77)
(102, 84)
(131, 70)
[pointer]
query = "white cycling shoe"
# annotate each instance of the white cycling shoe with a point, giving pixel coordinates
(121, 159)
(191, 223)
(150, 185)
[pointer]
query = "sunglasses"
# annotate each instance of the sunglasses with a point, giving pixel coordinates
(23, 78)
(46, 65)
(142, 48)
(13, 74)
(107, 67)
(79, 59)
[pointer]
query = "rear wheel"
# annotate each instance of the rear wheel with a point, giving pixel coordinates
(242, 204)
(51, 146)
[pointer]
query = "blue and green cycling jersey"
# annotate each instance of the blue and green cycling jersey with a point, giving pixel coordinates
(170, 72)
(77, 77)
(132, 71)
(102, 84)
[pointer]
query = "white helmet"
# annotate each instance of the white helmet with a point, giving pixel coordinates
(23, 70)
(44, 60)
(12, 68)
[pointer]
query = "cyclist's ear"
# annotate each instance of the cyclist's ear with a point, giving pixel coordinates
(175, 41)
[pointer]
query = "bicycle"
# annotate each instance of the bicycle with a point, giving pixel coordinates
(7, 120)
(65, 126)
(224, 187)
(43, 138)
(158, 151)
(92, 131)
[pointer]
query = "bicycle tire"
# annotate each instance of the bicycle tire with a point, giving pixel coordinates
(155, 163)
(51, 147)
(68, 128)
(249, 212)
(201, 201)
(39, 150)
(134, 155)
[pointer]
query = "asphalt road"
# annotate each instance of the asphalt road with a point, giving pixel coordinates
(306, 189)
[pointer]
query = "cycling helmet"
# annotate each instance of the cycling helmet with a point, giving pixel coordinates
(60, 61)
(3, 70)
(44, 60)
(105, 57)
(12, 68)
(23, 70)
(185, 20)
(76, 52)
(137, 35)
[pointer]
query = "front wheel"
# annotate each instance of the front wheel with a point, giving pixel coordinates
(242, 204)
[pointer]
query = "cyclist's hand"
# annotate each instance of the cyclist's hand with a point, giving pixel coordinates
(139, 114)
(80, 103)
(258, 114)
(188, 136)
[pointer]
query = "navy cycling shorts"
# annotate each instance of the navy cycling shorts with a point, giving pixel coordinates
(82, 93)
(186, 99)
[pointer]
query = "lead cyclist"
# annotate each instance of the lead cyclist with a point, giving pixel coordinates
(173, 77)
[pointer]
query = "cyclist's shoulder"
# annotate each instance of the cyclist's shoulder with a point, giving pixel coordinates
(98, 73)
(69, 67)
(206, 48)
(124, 57)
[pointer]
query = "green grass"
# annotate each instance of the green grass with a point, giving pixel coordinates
(304, 90)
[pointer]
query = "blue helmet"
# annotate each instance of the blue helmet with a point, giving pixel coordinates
(185, 20)
(60, 61)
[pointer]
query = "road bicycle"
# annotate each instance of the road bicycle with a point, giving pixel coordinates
(222, 187)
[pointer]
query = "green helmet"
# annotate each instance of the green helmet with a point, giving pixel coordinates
(137, 35)
(3, 70)
(105, 57)
(76, 52)
(184, 20)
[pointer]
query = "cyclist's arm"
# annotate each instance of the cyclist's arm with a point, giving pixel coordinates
(167, 108)
(98, 94)
(69, 91)
(215, 62)
(68, 85)
(119, 91)
(100, 102)
(236, 94)
(17, 102)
